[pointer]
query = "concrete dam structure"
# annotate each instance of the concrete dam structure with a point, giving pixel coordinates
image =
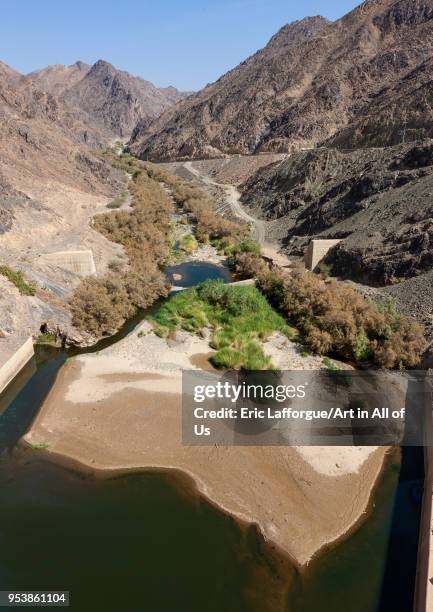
(77, 262)
(13, 359)
(316, 251)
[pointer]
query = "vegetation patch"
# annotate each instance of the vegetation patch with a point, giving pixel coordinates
(191, 199)
(240, 317)
(245, 259)
(118, 201)
(46, 339)
(329, 364)
(100, 305)
(335, 319)
(38, 446)
(16, 277)
(188, 244)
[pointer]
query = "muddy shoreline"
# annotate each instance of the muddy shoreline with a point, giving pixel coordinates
(111, 412)
(180, 478)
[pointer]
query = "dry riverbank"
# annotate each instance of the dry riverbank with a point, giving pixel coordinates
(121, 409)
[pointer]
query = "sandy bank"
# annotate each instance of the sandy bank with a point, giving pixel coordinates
(121, 408)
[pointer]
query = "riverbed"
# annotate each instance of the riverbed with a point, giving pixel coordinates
(152, 540)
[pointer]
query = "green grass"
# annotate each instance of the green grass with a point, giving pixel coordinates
(38, 446)
(46, 339)
(240, 316)
(188, 244)
(117, 202)
(17, 278)
(230, 249)
(329, 364)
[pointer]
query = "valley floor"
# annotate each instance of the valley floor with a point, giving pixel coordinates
(121, 409)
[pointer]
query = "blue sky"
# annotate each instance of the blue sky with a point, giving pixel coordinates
(186, 43)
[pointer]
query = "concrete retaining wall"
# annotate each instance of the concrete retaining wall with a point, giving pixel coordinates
(316, 251)
(424, 572)
(247, 281)
(14, 364)
(78, 262)
(16, 385)
(424, 588)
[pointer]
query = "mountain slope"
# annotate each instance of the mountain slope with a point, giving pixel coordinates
(112, 97)
(40, 136)
(312, 81)
(51, 184)
(378, 201)
(56, 78)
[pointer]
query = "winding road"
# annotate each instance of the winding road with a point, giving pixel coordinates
(233, 198)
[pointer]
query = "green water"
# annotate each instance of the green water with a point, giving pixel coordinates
(350, 576)
(135, 542)
(148, 542)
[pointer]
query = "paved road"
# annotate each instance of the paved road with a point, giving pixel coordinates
(233, 200)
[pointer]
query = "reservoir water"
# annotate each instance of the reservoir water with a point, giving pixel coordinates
(147, 542)
(193, 272)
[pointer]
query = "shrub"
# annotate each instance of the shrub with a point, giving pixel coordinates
(325, 269)
(247, 265)
(318, 340)
(101, 305)
(192, 199)
(247, 246)
(213, 227)
(117, 202)
(16, 277)
(335, 319)
(188, 244)
(329, 364)
(361, 346)
(116, 265)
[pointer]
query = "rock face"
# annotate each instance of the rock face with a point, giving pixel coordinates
(51, 183)
(111, 97)
(42, 140)
(377, 200)
(414, 296)
(315, 82)
(56, 79)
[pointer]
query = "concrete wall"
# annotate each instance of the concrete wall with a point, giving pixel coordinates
(424, 587)
(14, 364)
(78, 262)
(316, 251)
(424, 572)
(16, 385)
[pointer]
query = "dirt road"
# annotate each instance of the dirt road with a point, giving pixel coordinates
(233, 197)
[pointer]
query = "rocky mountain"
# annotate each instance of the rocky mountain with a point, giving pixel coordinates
(51, 184)
(41, 137)
(56, 79)
(111, 97)
(315, 82)
(378, 201)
